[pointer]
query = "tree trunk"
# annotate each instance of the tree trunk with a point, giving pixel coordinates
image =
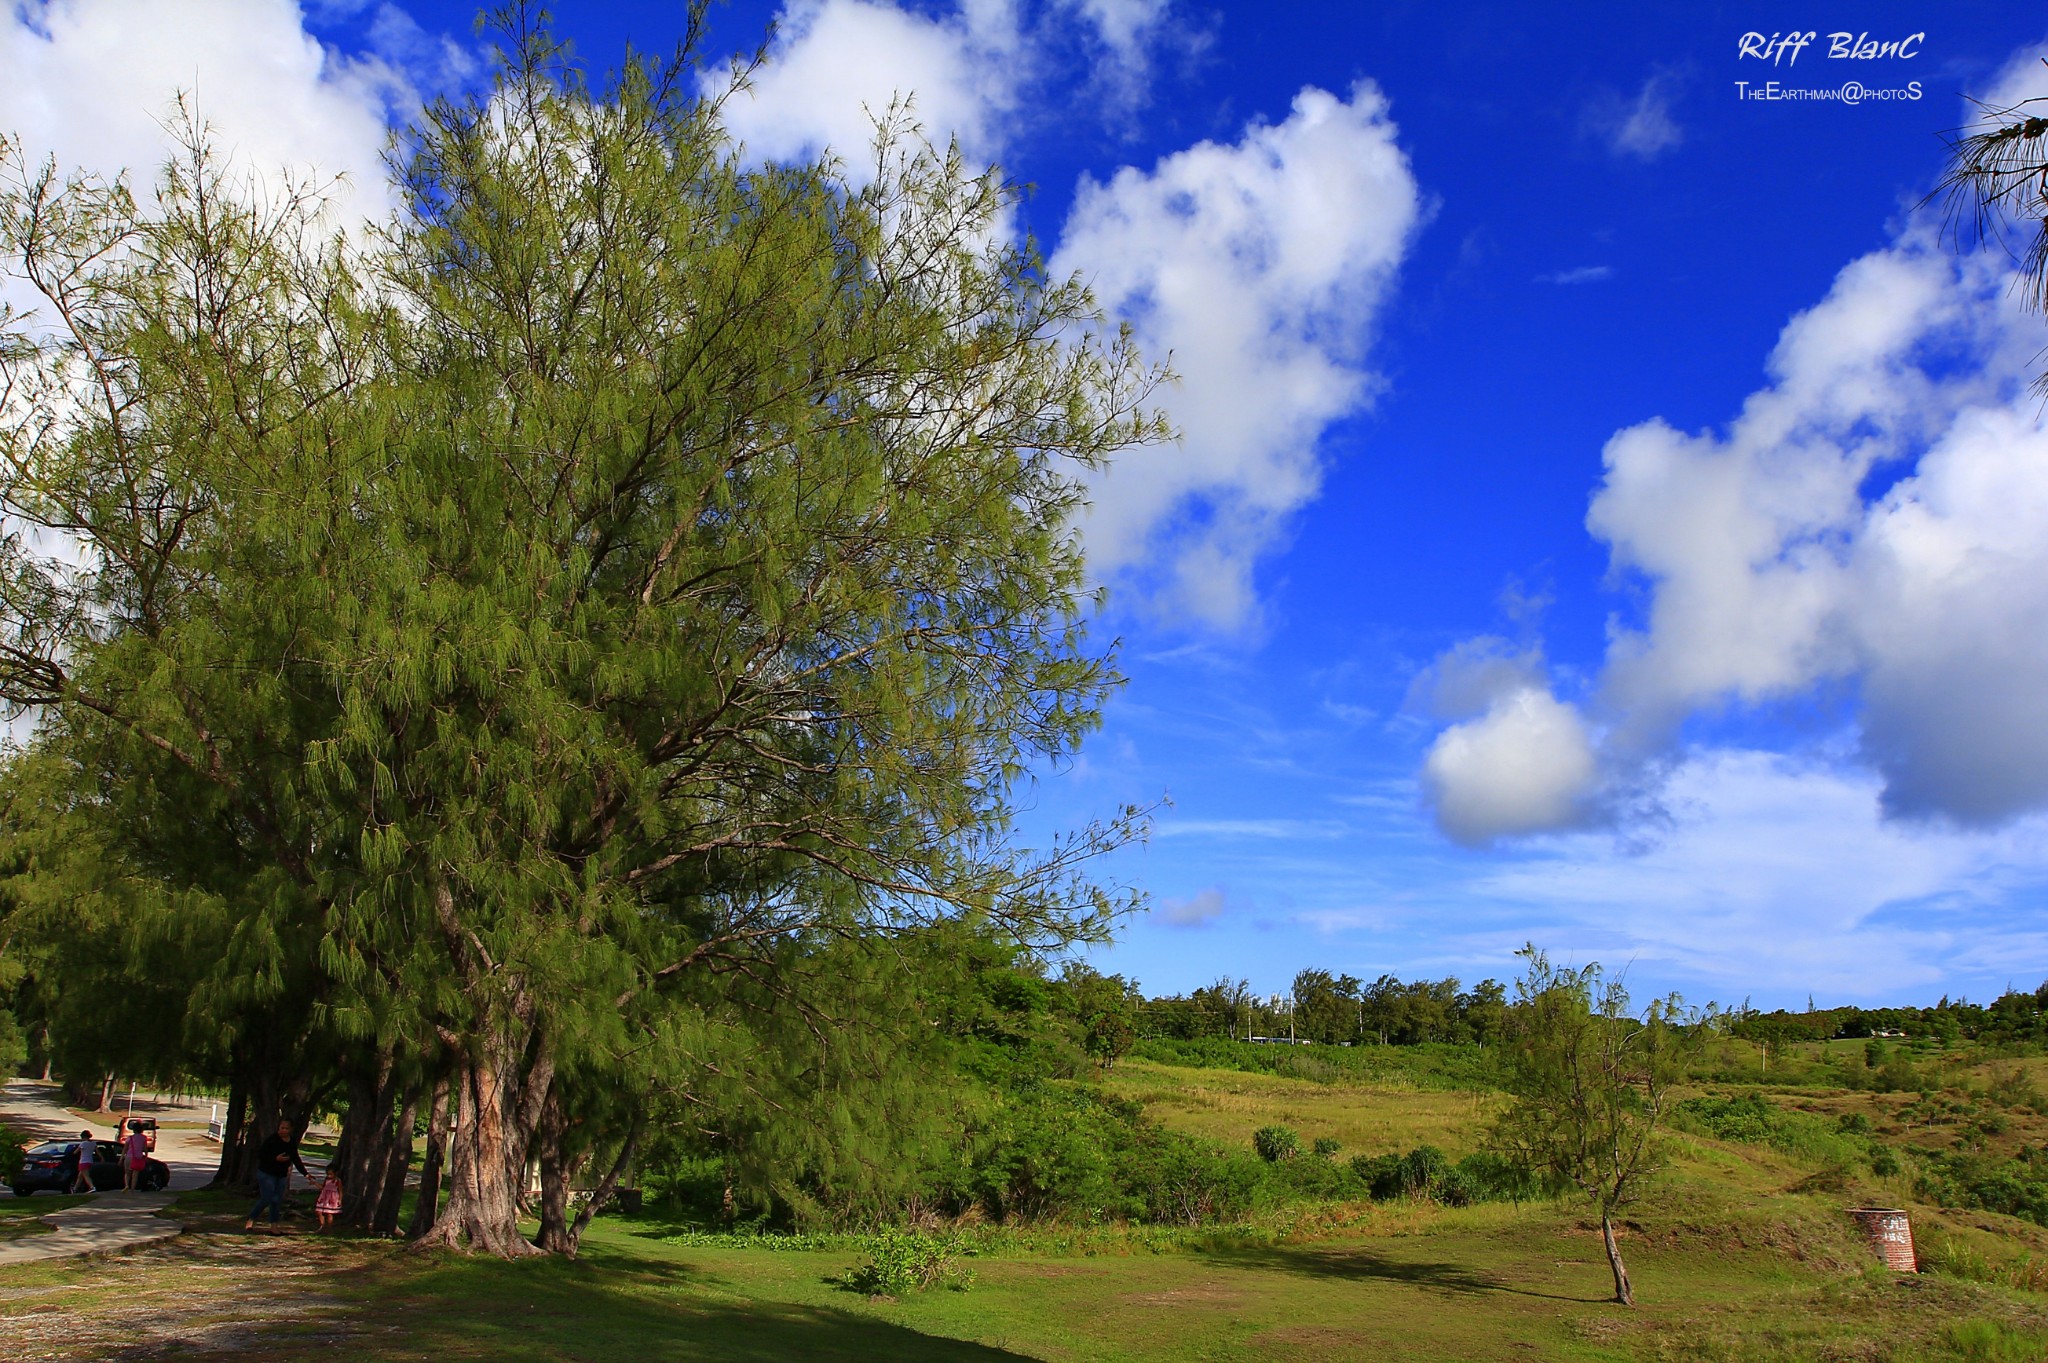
(428, 1206)
(360, 1154)
(499, 1091)
(267, 1103)
(224, 1173)
(398, 1158)
(1622, 1292)
(559, 1165)
(604, 1190)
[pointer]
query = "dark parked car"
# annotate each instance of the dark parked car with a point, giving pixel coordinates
(46, 1166)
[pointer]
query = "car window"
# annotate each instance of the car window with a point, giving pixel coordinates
(108, 1150)
(52, 1148)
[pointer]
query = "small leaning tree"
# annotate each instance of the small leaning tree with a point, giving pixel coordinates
(1592, 1079)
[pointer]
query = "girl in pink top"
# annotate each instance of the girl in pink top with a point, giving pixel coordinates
(134, 1159)
(329, 1205)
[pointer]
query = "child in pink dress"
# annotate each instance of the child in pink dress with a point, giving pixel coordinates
(329, 1205)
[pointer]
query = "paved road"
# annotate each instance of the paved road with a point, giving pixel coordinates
(106, 1223)
(36, 1109)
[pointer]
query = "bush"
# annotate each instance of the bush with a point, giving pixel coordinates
(12, 1148)
(1327, 1146)
(1182, 1180)
(1752, 1120)
(1276, 1143)
(1986, 1183)
(1058, 1152)
(900, 1262)
(1424, 1172)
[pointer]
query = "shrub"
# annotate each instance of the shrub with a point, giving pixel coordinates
(1276, 1143)
(1424, 1172)
(1493, 1178)
(1327, 1146)
(1056, 1151)
(901, 1261)
(1186, 1181)
(11, 1152)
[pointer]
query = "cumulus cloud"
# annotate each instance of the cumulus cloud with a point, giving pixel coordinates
(1260, 267)
(1773, 568)
(1524, 766)
(1641, 128)
(1196, 911)
(1779, 874)
(92, 82)
(1470, 677)
(836, 66)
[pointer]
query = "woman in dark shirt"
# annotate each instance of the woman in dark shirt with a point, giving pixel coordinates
(274, 1163)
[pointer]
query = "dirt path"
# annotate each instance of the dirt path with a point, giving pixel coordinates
(198, 1297)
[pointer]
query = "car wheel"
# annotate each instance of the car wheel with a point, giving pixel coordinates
(20, 1191)
(154, 1180)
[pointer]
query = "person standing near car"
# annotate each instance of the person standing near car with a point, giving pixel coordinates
(274, 1163)
(82, 1174)
(135, 1159)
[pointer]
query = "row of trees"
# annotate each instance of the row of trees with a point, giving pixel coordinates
(2014, 1017)
(1333, 1010)
(548, 668)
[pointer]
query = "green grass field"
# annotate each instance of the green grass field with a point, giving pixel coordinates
(1742, 1253)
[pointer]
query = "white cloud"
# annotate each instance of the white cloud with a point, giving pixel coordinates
(1782, 876)
(1582, 274)
(1196, 911)
(92, 83)
(1470, 677)
(1772, 571)
(1643, 127)
(1261, 267)
(1284, 829)
(1524, 766)
(836, 66)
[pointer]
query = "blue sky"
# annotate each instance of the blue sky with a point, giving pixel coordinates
(1608, 512)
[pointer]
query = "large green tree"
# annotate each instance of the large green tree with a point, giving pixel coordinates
(625, 572)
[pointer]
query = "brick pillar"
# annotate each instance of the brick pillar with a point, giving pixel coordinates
(1890, 1234)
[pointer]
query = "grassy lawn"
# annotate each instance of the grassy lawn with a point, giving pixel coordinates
(1744, 1253)
(21, 1216)
(1719, 1277)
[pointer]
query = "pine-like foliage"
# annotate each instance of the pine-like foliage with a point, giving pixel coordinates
(573, 609)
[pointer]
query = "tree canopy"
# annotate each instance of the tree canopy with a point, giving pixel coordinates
(534, 637)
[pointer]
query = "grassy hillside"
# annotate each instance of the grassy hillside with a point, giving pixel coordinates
(1365, 1116)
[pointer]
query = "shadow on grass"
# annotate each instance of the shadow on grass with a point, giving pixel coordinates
(1364, 1265)
(611, 1305)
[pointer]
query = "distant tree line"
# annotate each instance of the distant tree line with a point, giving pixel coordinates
(1325, 1008)
(2012, 1018)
